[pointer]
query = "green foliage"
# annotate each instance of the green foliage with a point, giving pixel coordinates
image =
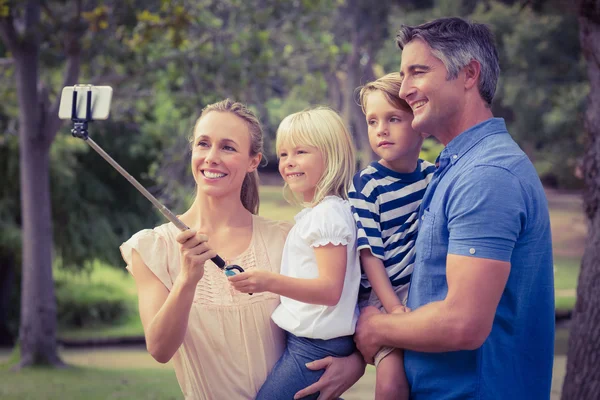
(88, 301)
(430, 150)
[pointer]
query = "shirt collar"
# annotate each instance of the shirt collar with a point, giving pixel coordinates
(461, 144)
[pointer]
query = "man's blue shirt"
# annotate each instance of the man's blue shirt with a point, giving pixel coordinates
(485, 200)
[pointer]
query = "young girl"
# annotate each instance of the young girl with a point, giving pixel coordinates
(320, 269)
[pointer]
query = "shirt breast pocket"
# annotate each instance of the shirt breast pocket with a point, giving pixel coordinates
(425, 235)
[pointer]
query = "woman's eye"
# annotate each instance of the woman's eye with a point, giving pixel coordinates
(202, 143)
(229, 148)
(394, 119)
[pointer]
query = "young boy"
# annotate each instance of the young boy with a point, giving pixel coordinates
(385, 198)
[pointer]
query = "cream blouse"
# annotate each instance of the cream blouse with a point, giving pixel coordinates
(231, 343)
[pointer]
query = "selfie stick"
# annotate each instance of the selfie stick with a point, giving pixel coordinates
(80, 131)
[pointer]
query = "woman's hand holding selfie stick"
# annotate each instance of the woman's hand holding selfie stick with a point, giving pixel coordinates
(193, 245)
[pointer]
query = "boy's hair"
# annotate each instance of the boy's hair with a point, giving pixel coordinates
(389, 85)
(322, 128)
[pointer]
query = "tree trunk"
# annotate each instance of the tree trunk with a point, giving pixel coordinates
(582, 381)
(37, 333)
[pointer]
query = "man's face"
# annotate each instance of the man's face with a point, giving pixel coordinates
(434, 100)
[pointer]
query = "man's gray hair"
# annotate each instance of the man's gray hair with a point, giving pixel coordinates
(456, 42)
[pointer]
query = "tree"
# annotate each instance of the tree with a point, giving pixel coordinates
(21, 32)
(582, 380)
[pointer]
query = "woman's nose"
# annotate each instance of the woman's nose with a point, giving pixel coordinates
(212, 156)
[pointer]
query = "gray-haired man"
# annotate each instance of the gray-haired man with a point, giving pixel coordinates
(482, 290)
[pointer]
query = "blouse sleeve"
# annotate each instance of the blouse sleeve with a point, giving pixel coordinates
(152, 248)
(330, 223)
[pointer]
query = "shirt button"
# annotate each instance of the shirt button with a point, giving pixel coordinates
(422, 218)
(472, 250)
(454, 157)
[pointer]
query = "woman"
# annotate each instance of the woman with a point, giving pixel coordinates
(222, 342)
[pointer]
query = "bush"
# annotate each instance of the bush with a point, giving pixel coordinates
(87, 304)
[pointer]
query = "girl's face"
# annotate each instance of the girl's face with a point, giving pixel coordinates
(302, 168)
(221, 154)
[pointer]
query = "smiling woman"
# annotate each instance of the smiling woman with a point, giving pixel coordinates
(222, 342)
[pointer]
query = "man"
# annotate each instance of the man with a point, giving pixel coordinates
(481, 324)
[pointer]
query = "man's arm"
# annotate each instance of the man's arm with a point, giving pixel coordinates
(462, 321)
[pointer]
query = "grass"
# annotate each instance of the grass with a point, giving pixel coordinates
(88, 383)
(112, 374)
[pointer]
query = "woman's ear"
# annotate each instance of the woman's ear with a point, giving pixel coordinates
(254, 162)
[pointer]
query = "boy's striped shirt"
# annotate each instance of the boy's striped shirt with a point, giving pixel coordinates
(385, 205)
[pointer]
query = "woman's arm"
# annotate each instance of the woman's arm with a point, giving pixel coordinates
(379, 280)
(326, 289)
(165, 314)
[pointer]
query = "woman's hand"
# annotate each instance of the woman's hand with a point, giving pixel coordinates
(340, 374)
(194, 253)
(253, 281)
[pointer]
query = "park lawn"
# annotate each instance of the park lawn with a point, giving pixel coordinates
(88, 383)
(124, 373)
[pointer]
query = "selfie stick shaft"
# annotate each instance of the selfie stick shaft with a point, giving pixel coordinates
(164, 210)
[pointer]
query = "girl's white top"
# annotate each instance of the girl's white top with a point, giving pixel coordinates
(330, 221)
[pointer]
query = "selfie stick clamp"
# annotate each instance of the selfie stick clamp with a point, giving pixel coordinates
(80, 130)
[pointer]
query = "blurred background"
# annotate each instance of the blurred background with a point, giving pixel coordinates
(64, 211)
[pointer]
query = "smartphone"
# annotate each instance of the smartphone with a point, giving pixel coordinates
(100, 104)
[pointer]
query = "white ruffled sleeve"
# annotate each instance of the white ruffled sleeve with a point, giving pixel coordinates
(330, 222)
(152, 248)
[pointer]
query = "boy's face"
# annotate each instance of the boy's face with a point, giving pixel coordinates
(391, 135)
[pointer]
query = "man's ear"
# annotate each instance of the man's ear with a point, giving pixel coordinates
(255, 162)
(472, 72)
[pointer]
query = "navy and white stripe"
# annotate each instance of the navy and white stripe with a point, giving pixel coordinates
(386, 204)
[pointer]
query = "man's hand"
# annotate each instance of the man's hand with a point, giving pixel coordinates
(253, 281)
(340, 374)
(365, 335)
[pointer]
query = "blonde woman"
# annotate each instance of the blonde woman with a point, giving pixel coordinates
(320, 270)
(222, 343)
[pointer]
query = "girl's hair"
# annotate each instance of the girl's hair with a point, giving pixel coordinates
(322, 128)
(249, 194)
(389, 85)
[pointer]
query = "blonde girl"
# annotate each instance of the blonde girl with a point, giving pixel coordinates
(320, 270)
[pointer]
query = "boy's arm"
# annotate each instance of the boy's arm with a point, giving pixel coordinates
(379, 280)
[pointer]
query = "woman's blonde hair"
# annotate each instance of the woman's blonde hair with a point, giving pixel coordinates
(322, 128)
(249, 193)
(389, 85)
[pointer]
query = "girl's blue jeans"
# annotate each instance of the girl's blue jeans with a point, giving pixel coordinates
(290, 374)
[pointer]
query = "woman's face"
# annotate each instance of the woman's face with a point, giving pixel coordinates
(221, 154)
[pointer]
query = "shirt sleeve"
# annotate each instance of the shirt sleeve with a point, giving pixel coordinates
(329, 224)
(486, 215)
(365, 209)
(152, 248)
